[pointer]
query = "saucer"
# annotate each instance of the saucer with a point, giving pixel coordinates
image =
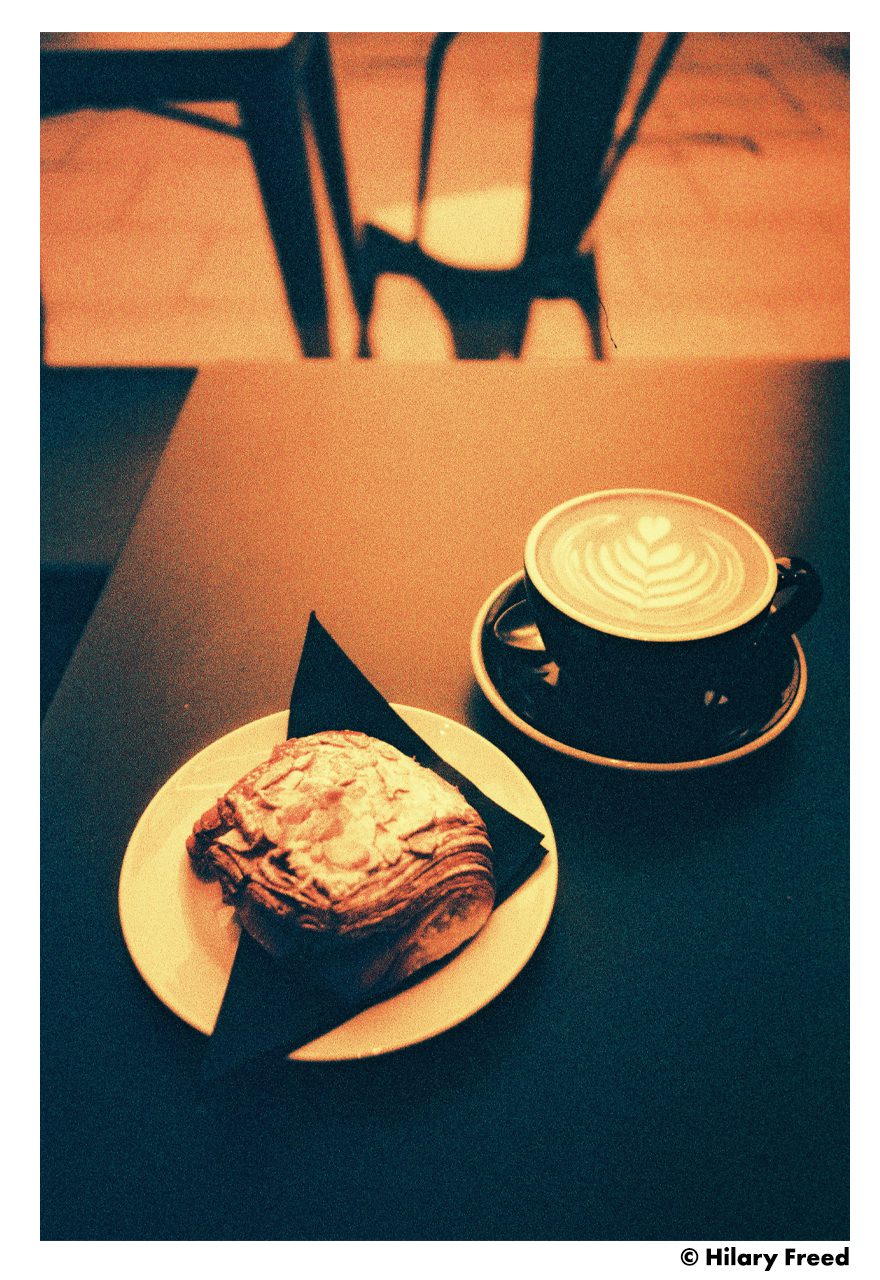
(742, 721)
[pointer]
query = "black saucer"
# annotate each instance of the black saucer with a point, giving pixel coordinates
(738, 721)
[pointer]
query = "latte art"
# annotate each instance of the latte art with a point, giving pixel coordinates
(627, 572)
(653, 565)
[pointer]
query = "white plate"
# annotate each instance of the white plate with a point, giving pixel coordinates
(182, 938)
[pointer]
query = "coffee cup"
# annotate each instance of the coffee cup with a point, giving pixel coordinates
(654, 604)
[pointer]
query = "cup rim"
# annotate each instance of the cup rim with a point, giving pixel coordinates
(629, 633)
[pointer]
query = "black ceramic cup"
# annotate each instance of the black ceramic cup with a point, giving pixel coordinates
(653, 604)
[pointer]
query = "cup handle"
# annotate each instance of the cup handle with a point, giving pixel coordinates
(798, 594)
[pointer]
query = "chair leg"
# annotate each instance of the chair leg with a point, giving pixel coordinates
(382, 253)
(584, 290)
(272, 121)
(490, 337)
(320, 91)
(484, 328)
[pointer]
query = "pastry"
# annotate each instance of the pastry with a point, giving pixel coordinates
(341, 847)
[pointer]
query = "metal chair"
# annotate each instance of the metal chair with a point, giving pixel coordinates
(583, 79)
(272, 77)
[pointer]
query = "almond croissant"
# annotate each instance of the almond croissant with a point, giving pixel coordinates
(340, 846)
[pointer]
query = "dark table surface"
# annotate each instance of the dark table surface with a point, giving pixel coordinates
(672, 1063)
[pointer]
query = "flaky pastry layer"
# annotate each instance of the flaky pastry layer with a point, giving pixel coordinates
(340, 841)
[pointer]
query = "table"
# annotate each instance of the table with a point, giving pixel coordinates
(672, 1063)
(268, 75)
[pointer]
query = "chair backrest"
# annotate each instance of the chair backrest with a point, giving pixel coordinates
(583, 78)
(582, 81)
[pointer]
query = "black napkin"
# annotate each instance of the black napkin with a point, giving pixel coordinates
(274, 1006)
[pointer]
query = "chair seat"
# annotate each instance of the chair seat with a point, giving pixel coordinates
(487, 308)
(476, 230)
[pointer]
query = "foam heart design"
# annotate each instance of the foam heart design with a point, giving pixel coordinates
(653, 528)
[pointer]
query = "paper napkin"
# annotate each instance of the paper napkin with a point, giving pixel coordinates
(274, 1006)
